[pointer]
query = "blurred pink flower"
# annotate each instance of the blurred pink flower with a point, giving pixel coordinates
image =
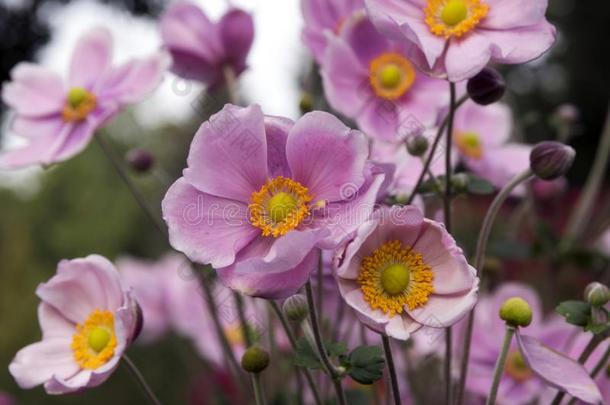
(481, 136)
(402, 272)
(58, 118)
(323, 19)
(371, 80)
(261, 194)
(200, 48)
(6, 399)
(457, 38)
(87, 320)
(548, 189)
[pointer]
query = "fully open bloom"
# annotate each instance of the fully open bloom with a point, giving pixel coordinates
(519, 384)
(402, 272)
(324, 18)
(481, 136)
(201, 48)
(261, 193)
(372, 80)
(87, 320)
(457, 38)
(58, 118)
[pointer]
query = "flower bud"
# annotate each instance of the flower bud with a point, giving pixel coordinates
(255, 360)
(516, 312)
(567, 113)
(597, 294)
(295, 308)
(459, 182)
(417, 144)
(550, 160)
(306, 103)
(486, 87)
(140, 160)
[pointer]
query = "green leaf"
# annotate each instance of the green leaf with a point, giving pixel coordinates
(336, 349)
(366, 364)
(305, 356)
(479, 186)
(575, 312)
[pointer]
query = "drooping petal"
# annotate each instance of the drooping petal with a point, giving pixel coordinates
(236, 29)
(38, 151)
(520, 45)
(39, 362)
(206, 228)
(34, 91)
(401, 327)
(326, 156)
(228, 156)
(91, 58)
(558, 370)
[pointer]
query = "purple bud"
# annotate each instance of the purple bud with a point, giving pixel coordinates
(140, 160)
(139, 316)
(550, 160)
(486, 87)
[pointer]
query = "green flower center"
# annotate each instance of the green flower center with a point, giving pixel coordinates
(76, 96)
(454, 12)
(281, 205)
(99, 339)
(390, 76)
(395, 279)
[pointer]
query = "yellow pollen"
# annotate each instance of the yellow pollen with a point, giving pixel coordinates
(516, 367)
(393, 277)
(454, 18)
(469, 143)
(391, 75)
(79, 103)
(279, 206)
(94, 342)
(235, 335)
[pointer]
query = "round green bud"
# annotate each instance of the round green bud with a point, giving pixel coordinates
(516, 312)
(459, 182)
(255, 360)
(597, 294)
(306, 103)
(417, 145)
(295, 308)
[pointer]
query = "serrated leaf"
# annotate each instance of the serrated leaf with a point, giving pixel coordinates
(575, 312)
(336, 349)
(479, 186)
(366, 364)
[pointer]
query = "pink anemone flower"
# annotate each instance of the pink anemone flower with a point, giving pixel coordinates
(402, 272)
(58, 118)
(87, 319)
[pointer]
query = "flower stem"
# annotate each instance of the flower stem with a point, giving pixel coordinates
(139, 378)
(391, 369)
(135, 192)
(428, 161)
(293, 343)
(245, 329)
(231, 84)
(259, 396)
(582, 359)
(493, 393)
(330, 368)
(488, 222)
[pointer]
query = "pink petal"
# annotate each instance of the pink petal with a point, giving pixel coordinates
(468, 56)
(33, 128)
(442, 311)
(206, 228)
(34, 91)
(53, 324)
(228, 156)
(493, 123)
(514, 14)
(520, 45)
(326, 156)
(91, 58)
(277, 129)
(401, 327)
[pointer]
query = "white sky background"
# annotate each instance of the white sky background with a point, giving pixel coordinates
(272, 80)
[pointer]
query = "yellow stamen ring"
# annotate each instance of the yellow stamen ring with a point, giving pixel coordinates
(279, 206)
(391, 75)
(79, 103)
(94, 342)
(469, 143)
(394, 276)
(454, 18)
(516, 367)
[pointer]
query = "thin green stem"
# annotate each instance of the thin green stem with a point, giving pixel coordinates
(582, 359)
(493, 393)
(293, 342)
(330, 368)
(259, 395)
(387, 348)
(139, 378)
(231, 84)
(488, 222)
(245, 328)
(432, 152)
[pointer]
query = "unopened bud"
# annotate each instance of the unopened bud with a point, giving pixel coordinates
(295, 308)
(516, 312)
(140, 160)
(597, 294)
(306, 103)
(255, 360)
(417, 145)
(550, 160)
(459, 182)
(486, 87)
